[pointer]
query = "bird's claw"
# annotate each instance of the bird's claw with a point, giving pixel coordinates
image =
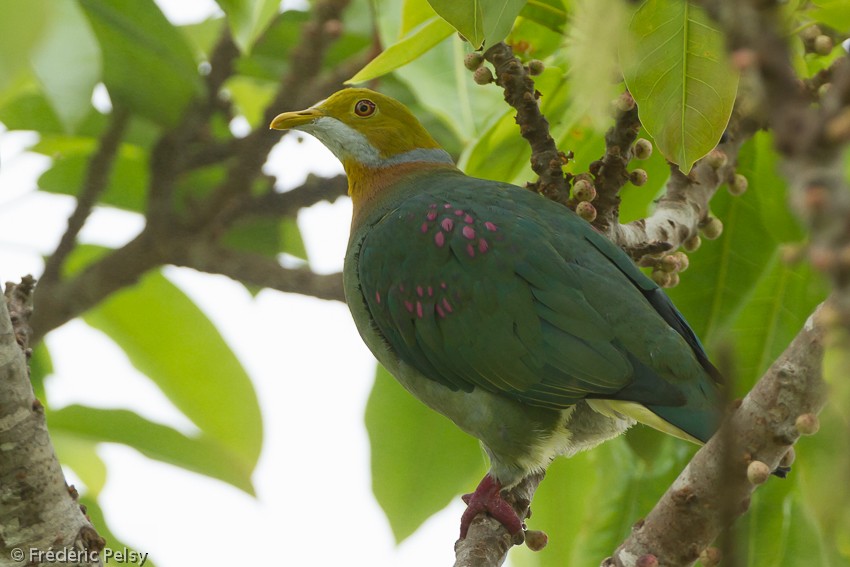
(488, 498)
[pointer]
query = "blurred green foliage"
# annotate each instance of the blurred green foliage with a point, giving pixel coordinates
(738, 292)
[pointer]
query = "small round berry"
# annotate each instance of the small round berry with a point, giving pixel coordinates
(713, 228)
(692, 244)
(669, 264)
(810, 33)
(583, 190)
(823, 45)
(757, 472)
(642, 148)
(624, 102)
(716, 158)
(738, 185)
(473, 61)
(807, 424)
(535, 67)
(638, 177)
(683, 260)
(586, 211)
(710, 556)
(788, 458)
(662, 278)
(536, 540)
(483, 76)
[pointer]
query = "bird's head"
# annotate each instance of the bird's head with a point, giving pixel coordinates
(371, 134)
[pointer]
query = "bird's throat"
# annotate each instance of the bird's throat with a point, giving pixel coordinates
(369, 187)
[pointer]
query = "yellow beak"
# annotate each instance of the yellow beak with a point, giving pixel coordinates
(289, 120)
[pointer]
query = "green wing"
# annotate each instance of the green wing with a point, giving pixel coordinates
(491, 286)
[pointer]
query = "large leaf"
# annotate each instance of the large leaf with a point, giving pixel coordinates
(169, 339)
(548, 13)
(68, 63)
(202, 454)
(21, 30)
(410, 47)
(481, 22)
(248, 19)
(679, 74)
(420, 460)
(148, 66)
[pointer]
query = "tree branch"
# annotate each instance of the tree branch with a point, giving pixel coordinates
(39, 511)
(762, 429)
(258, 270)
(96, 181)
(546, 160)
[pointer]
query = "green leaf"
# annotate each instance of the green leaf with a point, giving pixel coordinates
(30, 111)
(291, 240)
(679, 74)
(548, 13)
(95, 514)
(81, 455)
(420, 460)
(169, 339)
(248, 19)
(834, 13)
(68, 63)
(410, 47)
(127, 186)
(147, 66)
(22, 28)
(251, 96)
(482, 22)
(202, 454)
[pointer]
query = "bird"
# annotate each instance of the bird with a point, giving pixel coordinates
(499, 308)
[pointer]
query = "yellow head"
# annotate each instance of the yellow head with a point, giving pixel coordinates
(378, 141)
(364, 128)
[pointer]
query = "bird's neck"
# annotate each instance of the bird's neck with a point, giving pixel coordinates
(370, 186)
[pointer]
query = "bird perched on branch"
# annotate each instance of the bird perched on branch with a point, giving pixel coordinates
(500, 309)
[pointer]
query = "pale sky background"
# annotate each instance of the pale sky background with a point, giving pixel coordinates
(313, 482)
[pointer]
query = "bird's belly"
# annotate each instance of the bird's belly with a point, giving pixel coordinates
(520, 439)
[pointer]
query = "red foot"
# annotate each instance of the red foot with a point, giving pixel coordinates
(488, 498)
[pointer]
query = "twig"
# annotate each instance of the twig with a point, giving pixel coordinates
(487, 543)
(546, 160)
(259, 270)
(287, 204)
(39, 512)
(96, 181)
(611, 175)
(762, 429)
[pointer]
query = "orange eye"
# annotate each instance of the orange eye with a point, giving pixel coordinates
(364, 108)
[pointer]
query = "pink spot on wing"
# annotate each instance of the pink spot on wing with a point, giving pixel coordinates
(447, 224)
(419, 309)
(439, 239)
(440, 312)
(409, 306)
(432, 206)
(424, 227)
(430, 291)
(419, 291)
(443, 285)
(467, 219)
(447, 206)
(458, 212)
(490, 226)
(470, 250)
(401, 287)
(469, 232)
(483, 246)
(447, 305)
(432, 215)
(378, 296)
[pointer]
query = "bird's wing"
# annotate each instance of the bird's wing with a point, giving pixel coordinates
(476, 289)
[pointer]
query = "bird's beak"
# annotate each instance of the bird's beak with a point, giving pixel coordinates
(289, 120)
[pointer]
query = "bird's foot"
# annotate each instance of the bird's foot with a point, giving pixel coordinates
(488, 498)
